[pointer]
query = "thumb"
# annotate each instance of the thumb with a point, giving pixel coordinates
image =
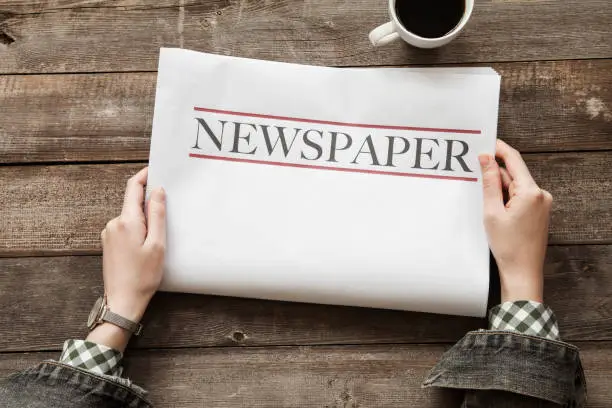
(156, 217)
(491, 184)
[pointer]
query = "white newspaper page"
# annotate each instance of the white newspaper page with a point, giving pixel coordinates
(353, 187)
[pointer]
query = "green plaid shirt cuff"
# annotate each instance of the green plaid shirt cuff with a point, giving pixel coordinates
(96, 358)
(527, 317)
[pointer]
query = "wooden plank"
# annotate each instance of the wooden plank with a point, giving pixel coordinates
(76, 117)
(54, 209)
(62, 209)
(338, 376)
(39, 314)
(41, 6)
(544, 106)
(87, 38)
(577, 182)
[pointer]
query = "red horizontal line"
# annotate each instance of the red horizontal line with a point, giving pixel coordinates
(325, 122)
(309, 166)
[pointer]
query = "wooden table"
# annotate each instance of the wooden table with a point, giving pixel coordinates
(76, 101)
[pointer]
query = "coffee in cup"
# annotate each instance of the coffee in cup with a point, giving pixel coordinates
(423, 23)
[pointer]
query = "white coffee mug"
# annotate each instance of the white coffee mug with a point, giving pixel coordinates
(394, 30)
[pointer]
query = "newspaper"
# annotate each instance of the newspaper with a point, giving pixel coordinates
(351, 186)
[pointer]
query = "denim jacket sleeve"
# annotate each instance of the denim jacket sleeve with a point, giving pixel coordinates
(508, 369)
(58, 385)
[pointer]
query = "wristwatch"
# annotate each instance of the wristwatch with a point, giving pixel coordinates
(101, 313)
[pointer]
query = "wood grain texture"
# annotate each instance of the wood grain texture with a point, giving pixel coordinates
(577, 182)
(329, 376)
(544, 106)
(38, 314)
(564, 105)
(51, 209)
(62, 209)
(76, 117)
(46, 6)
(87, 38)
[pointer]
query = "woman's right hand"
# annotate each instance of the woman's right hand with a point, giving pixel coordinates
(517, 231)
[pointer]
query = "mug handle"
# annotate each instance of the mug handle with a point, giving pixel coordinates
(383, 34)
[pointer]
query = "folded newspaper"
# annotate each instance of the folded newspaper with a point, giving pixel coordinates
(351, 186)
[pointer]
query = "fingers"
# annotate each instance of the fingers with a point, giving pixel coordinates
(506, 178)
(507, 183)
(491, 183)
(514, 163)
(134, 195)
(156, 233)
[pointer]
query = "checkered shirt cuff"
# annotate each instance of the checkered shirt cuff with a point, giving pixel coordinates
(527, 317)
(97, 358)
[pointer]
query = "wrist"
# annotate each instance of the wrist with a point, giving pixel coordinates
(110, 335)
(132, 310)
(522, 288)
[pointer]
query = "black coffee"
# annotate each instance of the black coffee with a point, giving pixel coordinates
(430, 18)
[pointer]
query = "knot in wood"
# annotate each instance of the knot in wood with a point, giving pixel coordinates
(238, 336)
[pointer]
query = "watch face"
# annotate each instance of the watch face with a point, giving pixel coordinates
(95, 313)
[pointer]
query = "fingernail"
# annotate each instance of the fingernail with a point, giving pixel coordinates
(485, 161)
(159, 194)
